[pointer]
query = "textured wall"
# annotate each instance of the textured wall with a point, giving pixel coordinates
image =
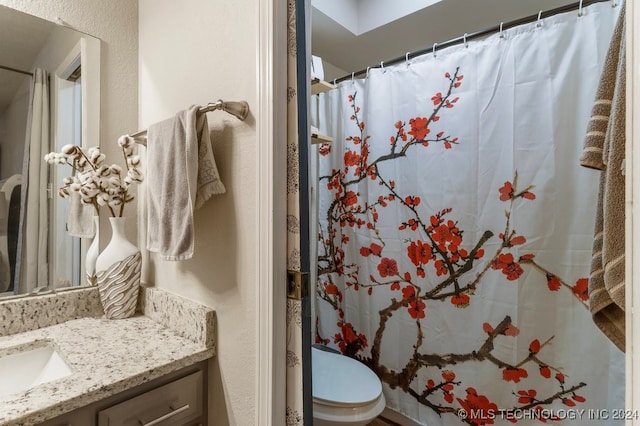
(194, 52)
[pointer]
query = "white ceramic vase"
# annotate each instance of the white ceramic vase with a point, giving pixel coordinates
(118, 273)
(92, 253)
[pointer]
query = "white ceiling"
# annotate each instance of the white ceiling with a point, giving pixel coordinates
(360, 16)
(437, 23)
(22, 37)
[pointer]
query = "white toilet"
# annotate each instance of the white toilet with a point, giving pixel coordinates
(345, 391)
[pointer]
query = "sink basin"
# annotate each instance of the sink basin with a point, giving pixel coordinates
(29, 365)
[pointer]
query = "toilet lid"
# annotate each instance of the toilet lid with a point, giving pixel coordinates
(341, 380)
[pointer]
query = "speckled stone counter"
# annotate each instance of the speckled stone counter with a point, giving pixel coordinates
(110, 356)
(28, 313)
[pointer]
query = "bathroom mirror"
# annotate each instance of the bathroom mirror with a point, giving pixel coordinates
(36, 252)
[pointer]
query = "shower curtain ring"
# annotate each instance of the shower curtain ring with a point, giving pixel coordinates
(433, 49)
(464, 40)
(382, 66)
(613, 3)
(501, 32)
(367, 74)
(406, 58)
(539, 24)
(353, 74)
(580, 9)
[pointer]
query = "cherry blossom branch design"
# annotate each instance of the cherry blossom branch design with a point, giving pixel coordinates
(436, 247)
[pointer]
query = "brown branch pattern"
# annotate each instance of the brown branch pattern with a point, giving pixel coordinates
(453, 267)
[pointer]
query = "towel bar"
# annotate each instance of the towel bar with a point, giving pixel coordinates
(239, 109)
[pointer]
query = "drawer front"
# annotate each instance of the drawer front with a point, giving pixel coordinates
(174, 404)
(80, 417)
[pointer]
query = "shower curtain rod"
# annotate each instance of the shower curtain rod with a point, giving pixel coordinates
(482, 33)
(4, 67)
(239, 109)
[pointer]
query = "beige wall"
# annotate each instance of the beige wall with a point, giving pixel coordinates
(194, 52)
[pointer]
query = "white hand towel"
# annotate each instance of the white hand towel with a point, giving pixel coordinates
(181, 176)
(209, 182)
(80, 217)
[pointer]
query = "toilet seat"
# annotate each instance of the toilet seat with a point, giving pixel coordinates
(328, 415)
(342, 381)
(345, 391)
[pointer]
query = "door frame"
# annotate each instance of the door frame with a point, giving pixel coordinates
(632, 212)
(271, 137)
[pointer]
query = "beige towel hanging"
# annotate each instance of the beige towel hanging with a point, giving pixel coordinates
(181, 176)
(604, 150)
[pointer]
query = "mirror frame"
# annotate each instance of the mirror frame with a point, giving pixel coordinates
(86, 54)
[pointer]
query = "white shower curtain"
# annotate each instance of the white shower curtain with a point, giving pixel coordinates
(32, 267)
(456, 226)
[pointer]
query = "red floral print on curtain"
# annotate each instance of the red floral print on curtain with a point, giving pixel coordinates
(437, 246)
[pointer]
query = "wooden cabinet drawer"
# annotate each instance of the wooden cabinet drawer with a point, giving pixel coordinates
(81, 417)
(175, 404)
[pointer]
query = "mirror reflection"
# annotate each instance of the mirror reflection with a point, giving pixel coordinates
(49, 97)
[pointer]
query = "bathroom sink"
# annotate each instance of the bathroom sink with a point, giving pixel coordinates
(29, 365)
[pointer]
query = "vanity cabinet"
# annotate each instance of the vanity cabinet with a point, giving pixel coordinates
(177, 399)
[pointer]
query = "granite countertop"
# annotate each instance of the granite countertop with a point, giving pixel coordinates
(109, 356)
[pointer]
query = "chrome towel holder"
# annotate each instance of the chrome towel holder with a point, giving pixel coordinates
(239, 109)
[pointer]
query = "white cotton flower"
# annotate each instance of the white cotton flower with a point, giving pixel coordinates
(89, 192)
(96, 183)
(52, 157)
(69, 149)
(102, 171)
(135, 175)
(115, 202)
(84, 178)
(102, 199)
(125, 141)
(94, 155)
(98, 158)
(113, 181)
(91, 186)
(134, 160)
